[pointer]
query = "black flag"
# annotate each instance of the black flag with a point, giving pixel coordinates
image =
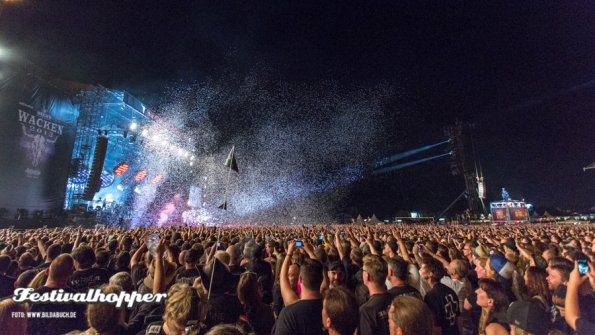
(230, 162)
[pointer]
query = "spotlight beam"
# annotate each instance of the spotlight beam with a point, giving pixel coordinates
(404, 165)
(388, 160)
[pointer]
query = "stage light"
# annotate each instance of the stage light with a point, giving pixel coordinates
(191, 163)
(133, 126)
(156, 137)
(156, 179)
(120, 187)
(145, 132)
(121, 168)
(186, 154)
(192, 158)
(109, 197)
(137, 190)
(140, 175)
(180, 151)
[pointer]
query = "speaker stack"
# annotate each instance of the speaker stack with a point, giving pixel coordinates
(94, 180)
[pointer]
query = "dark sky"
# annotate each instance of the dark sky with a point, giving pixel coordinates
(522, 72)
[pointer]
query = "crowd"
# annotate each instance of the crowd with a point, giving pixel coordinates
(315, 279)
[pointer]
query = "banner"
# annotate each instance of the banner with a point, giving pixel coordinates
(518, 214)
(37, 129)
(499, 214)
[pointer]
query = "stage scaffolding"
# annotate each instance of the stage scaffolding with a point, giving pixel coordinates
(107, 113)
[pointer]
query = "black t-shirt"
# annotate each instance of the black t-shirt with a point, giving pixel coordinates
(406, 290)
(223, 308)
(83, 280)
(443, 301)
(584, 326)
(187, 276)
(373, 315)
(301, 318)
(56, 325)
(260, 318)
(6, 286)
(138, 272)
(277, 299)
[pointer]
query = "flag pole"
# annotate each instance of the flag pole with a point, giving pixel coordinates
(233, 152)
(214, 263)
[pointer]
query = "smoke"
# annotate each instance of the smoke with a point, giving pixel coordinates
(298, 146)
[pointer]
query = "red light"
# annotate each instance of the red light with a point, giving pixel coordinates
(120, 169)
(140, 175)
(157, 179)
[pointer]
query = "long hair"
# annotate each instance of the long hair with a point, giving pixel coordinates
(537, 284)
(496, 292)
(248, 290)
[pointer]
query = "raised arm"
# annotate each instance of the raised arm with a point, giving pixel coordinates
(288, 294)
(137, 255)
(402, 247)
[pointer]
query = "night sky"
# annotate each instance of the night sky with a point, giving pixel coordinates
(522, 72)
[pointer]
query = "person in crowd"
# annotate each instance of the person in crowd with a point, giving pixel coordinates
(410, 316)
(339, 311)
(223, 303)
(6, 282)
(234, 260)
(225, 329)
(257, 314)
(558, 271)
(397, 277)
(301, 316)
(104, 318)
(183, 314)
(263, 269)
(581, 321)
(336, 274)
(122, 279)
(373, 318)
(527, 318)
(59, 275)
(441, 299)
(49, 255)
(86, 276)
(457, 280)
(13, 317)
(558, 311)
(493, 300)
(189, 272)
(537, 286)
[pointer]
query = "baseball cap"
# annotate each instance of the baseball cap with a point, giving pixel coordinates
(529, 315)
(501, 265)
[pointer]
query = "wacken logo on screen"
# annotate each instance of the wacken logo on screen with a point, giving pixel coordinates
(40, 133)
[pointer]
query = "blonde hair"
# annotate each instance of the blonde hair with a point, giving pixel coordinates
(411, 315)
(11, 325)
(179, 304)
(376, 268)
(104, 317)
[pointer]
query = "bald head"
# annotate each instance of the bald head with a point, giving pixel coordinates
(61, 269)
